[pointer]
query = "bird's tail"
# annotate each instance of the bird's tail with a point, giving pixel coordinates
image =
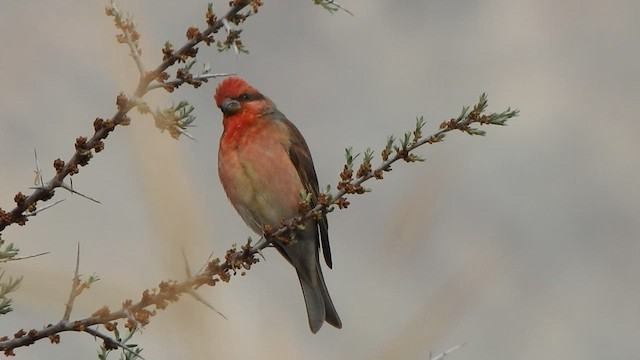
(316, 297)
(304, 255)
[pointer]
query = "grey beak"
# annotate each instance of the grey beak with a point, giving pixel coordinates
(229, 106)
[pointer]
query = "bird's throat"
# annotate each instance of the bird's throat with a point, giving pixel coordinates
(236, 126)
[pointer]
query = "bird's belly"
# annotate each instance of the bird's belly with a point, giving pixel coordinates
(261, 183)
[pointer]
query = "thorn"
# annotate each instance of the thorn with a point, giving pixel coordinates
(261, 244)
(442, 356)
(206, 263)
(74, 289)
(228, 28)
(209, 76)
(193, 292)
(261, 255)
(333, 2)
(183, 132)
(70, 189)
(37, 180)
(203, 301)
(76, 276)
(44, 208)
(22, 258)
(106, 338)
(187, 269)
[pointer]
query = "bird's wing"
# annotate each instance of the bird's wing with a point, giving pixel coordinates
(301, 158)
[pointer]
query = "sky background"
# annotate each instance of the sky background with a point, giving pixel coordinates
(523, 244)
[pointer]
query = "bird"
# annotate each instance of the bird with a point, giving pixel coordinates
(264, 164)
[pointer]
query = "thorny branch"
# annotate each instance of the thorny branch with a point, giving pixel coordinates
(239, 261)
(175, 120)
(236, 260)
(411, 141)
(139, 313)
(86, 147)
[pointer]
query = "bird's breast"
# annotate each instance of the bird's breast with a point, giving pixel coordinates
(259, 177)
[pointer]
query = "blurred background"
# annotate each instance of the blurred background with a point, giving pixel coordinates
(523, 244)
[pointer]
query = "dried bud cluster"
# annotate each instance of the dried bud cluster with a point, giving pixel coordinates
(210, 16)
(167, 51)
(232, 40)
(176, 119)
(346, 182)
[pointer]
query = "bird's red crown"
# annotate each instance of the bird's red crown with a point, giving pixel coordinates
(230, 88)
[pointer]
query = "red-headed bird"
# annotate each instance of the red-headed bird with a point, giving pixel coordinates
(264, 163)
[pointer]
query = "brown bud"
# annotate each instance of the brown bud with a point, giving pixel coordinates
(58, 164)
(5, 218)
(121, 101)
(124, 120)
(98, 124)
(73, 169)
(99, 146)
(193, 33)
(81, 141)
(54, 338)
(19, 199)
(110, 326)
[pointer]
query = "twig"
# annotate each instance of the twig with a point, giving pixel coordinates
(137, 313)
(446, 353)
(179, 82)
(111, 341)
(132, 43)
(24, 257)
(199, 298)
(192, 292)
(70, 189)
(104, 127)
(75, 285)
(332, 6)
(205, 264)
(187, 268)
(235, 260)
(185, 133)
(462, 123)
(38, 173)
(40, 209)
(227, 27)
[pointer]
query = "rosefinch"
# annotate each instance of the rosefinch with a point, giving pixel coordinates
(264, 163)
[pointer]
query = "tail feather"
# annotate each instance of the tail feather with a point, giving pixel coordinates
(331, 315)
(318, 302)
(305, 258)
(314, 301)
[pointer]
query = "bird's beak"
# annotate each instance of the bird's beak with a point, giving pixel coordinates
(229, 106)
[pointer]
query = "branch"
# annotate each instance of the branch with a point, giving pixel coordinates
(4, 260)
(176, 83)
(350, 185)
(446, 353)
(111, 343)
(331, 6)
(239, 261)
(76, 289)
(236, 261)
(86, 147)
(139, 313)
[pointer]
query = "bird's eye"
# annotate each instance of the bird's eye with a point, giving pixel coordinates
(245, 96)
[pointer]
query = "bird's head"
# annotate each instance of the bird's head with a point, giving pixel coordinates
(234, 94)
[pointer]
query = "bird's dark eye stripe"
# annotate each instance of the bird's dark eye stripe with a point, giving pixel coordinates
(249, 97)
